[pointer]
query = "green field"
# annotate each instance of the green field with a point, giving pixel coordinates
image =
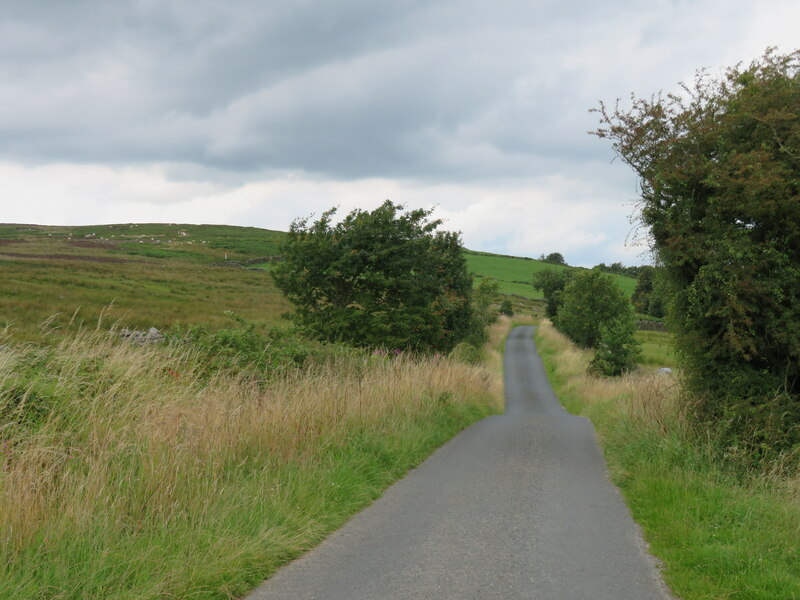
(657, 348)
(159, 275)
(145, 275)
(514, 273)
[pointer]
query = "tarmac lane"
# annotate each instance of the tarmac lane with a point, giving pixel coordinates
(518, 506)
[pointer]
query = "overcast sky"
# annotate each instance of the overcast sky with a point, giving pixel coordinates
(256, 112)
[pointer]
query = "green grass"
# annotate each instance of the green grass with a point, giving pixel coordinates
(160, 275)
(657, 348)
(145, 275)
(514, 274)
(140, 479)
(721, 532)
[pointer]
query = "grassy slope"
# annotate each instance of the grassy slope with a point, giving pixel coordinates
(157, 275)
(514, 273)
(657, 348)
(721, 533)
(152, 274)
(140, 481)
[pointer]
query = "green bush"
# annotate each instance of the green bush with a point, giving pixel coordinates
(649, 297)
(377, 279)
(551, 283)
(591, 301)
(618, 351)
(506, 308)
(244, 350)
(720, 180)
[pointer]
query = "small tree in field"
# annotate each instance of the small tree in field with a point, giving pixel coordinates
(720, 182)
(592, 301)
(617, 350)
(380, 278)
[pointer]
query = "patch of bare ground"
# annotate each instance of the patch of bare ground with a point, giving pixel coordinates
(83, 257)
(93, 245)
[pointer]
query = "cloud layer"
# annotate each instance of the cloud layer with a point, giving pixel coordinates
(489, 98)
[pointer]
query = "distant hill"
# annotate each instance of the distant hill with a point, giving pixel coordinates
(514, 273)
(166, 274)
(147, 275)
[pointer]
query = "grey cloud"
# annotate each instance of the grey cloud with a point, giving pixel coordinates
(439, 90)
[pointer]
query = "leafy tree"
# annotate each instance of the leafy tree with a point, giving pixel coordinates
(644, 288)
(617, 350)
(380, 278)
(621, 269)
(551, 283)
(720, 182)
(649, 296)
(506, 308)
(554, 257)
(591, 301)
(484, 295)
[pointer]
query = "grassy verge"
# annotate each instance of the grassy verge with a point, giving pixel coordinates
(123, 476)
(721, 532)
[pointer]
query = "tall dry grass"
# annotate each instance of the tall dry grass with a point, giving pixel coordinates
(647, 398)
(721, 528)
(133, 442)
(650, 402)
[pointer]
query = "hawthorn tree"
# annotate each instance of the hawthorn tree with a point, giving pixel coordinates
(592, 301)
(380, 278)
(719, 170)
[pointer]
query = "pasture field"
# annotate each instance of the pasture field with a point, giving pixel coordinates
(162, 275)
(657, 348)
(143, 275)
(514, 273)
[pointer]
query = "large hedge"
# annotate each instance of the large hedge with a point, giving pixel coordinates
(720, 181)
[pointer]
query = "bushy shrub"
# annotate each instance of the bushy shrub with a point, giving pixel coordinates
(591, 301)
(720, 180)
(649, 297)
(506, 308)
(618, 350)
(380, 278)
(246, 351)
(551, 283)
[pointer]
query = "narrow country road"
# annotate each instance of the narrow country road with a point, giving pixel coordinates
(517, 506)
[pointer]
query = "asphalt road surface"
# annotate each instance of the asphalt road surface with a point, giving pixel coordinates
(517, 506)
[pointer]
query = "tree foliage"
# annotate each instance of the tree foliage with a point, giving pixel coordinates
(591, 301)
(381, 278)
(554, 257)
(649, 296)
(619, 269)
(617, 350)
(484, 295)
(551, 283)
(720, 192)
